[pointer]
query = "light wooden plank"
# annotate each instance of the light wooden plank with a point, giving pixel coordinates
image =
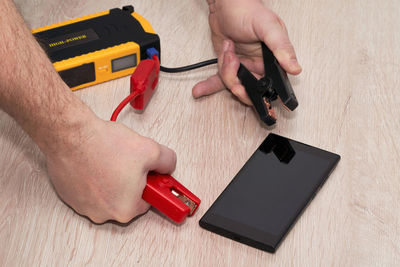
(349, 103)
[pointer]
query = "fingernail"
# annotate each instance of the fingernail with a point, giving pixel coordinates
(290, 59)
(295, 64)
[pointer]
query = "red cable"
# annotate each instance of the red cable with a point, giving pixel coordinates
(124, 102)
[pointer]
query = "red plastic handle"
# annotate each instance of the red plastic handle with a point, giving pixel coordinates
(161, 192)
(144, 79)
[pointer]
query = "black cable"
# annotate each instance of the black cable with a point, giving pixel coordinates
(189, 67)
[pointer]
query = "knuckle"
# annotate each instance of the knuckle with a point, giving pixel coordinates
(288, 47)
(154, 151)
(143, 208)
(122, 215)
(276, 20)
(123, 218)
(97, 219)
(151, 149)
(126, 214)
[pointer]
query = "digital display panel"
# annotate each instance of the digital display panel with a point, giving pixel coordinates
(123, 63)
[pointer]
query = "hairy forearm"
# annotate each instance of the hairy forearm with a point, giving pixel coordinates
(31, 91)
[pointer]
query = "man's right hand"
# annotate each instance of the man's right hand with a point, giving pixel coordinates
(102, 170)
(99, 168)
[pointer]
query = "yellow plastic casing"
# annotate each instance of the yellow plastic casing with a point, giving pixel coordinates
(101, 58)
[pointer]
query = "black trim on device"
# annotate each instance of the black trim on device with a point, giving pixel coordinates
(79, 75)
(117, 27)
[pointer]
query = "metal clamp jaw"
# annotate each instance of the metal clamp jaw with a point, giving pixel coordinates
(275, 84)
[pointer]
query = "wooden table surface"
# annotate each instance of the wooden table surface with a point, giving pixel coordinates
(349, 104)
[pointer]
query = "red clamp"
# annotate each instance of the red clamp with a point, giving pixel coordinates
(144, 79)
(162, 191)
(170, 197)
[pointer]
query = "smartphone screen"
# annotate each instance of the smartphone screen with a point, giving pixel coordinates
(265, 198)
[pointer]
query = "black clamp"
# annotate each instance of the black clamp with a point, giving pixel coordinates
(130, 9)
(274, 84)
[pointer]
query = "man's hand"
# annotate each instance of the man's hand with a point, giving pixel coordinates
(101, 172)
(238, 27)
(98, 168)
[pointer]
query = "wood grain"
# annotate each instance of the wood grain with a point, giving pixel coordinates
(349, 103)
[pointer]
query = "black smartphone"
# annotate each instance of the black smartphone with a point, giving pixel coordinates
(263, 201)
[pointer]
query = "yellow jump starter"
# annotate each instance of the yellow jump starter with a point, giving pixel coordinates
(99, 47)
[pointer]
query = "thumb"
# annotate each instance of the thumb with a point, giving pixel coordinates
(164, 160)
(272, 31)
